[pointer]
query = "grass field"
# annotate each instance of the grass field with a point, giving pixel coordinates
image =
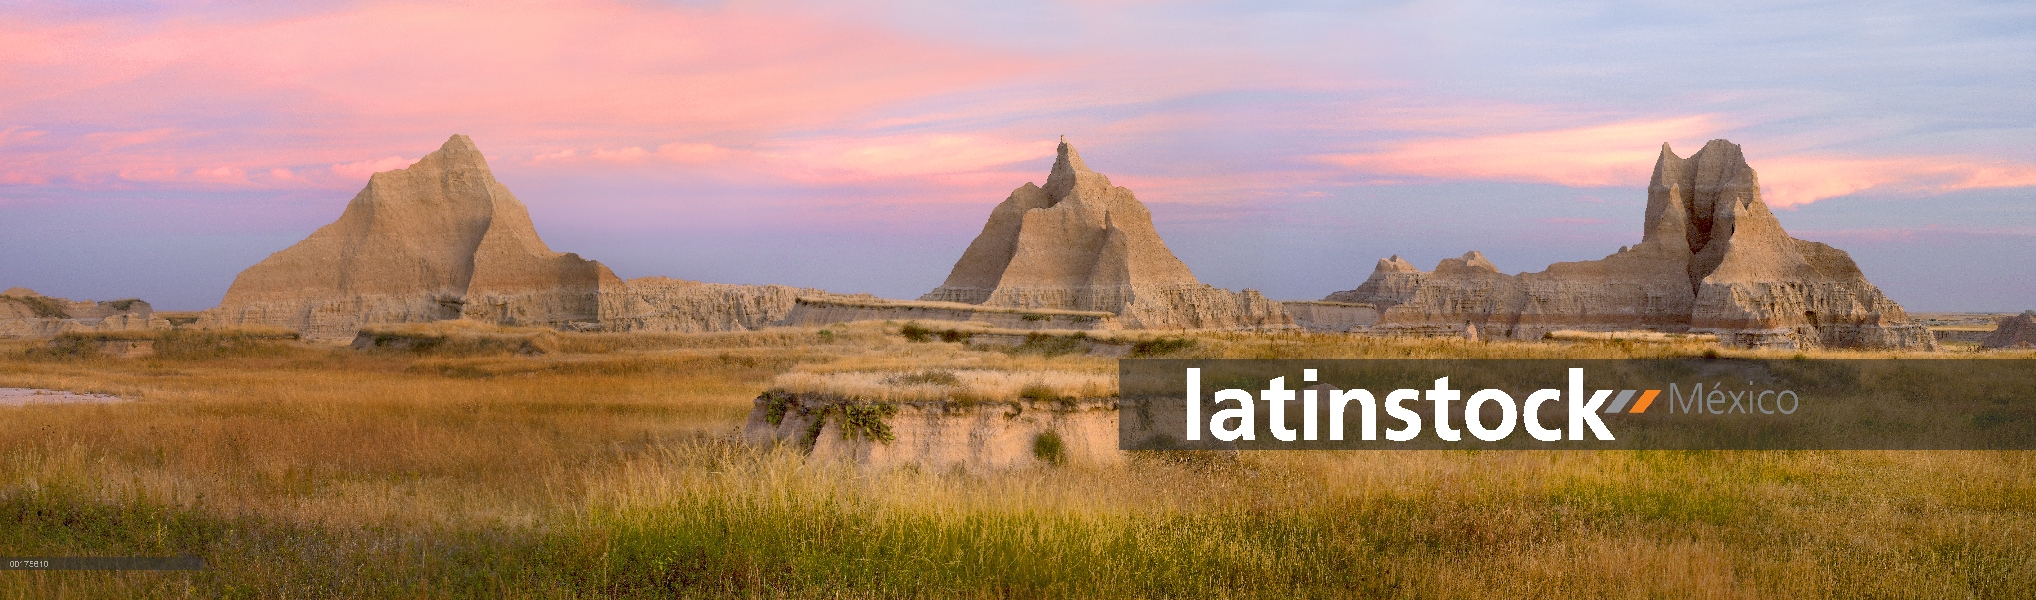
(601, 465)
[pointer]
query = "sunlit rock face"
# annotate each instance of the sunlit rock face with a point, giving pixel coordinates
(1080, 243)
(1712, 259)
(441, 239)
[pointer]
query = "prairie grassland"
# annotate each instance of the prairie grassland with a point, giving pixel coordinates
(603, 467)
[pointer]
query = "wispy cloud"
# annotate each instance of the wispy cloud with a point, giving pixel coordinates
(1597, 155)
(1623, 153)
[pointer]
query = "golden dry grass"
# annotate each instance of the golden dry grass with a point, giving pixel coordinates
(603, 468)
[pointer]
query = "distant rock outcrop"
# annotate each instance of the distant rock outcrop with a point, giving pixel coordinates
(1712, 259)
(24, 313)
(1080, 243)
(658, 304)
(2018, 331)
(438, 240)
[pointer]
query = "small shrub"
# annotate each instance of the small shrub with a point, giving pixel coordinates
(1049, 448)
(866, 421)
(955, 335)
(914, 332)
(1034, 317)
(1051, 345)
(776, 404)
(1038, 392)
(1160, 347)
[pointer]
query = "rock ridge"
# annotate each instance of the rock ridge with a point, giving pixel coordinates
(1712, 259)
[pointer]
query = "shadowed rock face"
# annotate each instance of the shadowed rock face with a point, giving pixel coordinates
(1080, 243)
(438, 240)
(2018, 331)
(1712, 258)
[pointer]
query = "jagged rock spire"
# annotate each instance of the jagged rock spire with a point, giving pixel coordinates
(1068, 172)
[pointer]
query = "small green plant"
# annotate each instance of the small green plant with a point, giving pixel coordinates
(866, 421)
(1035, 317)
(1049, 448)
(914, 332)
(776, 404)
(826, 335)
(955, 335)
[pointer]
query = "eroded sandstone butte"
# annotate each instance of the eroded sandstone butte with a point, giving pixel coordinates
(441, 239)
(24, 313)
(2018, 331)
(1712, 259)
(1080, 243)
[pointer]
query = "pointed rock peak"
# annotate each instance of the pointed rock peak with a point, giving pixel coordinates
(1477, 259)
(1668, 168)
(1471, 262)
(1394, 265)
(459, 141)
(1667, 153)
(1720, 153)
(458, 151)
(1068, 169)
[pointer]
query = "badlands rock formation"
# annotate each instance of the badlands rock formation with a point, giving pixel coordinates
(438, 240)
(24, 313)
(658, 304)
(2018, 331)
(1080, 243)
(941, 436)
(1712, 259)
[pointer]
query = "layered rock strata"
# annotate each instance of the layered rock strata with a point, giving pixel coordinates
(1080, 243)
(1712, 259)
(441, 239)
(1330, 316)
(24, 313)
(659, 304)
(2018, 331)
(819, 311)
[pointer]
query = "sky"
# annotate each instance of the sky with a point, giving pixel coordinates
(154, 150)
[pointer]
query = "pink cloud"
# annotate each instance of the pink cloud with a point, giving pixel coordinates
(120, 139)
(220, 175)
(1907, 234)
(1796, 180)
(1600, 155)
(18, 134)
(1623, 153)
(360, 170)
(523, 79)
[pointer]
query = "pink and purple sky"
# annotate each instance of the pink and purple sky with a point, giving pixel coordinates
(156, 149)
